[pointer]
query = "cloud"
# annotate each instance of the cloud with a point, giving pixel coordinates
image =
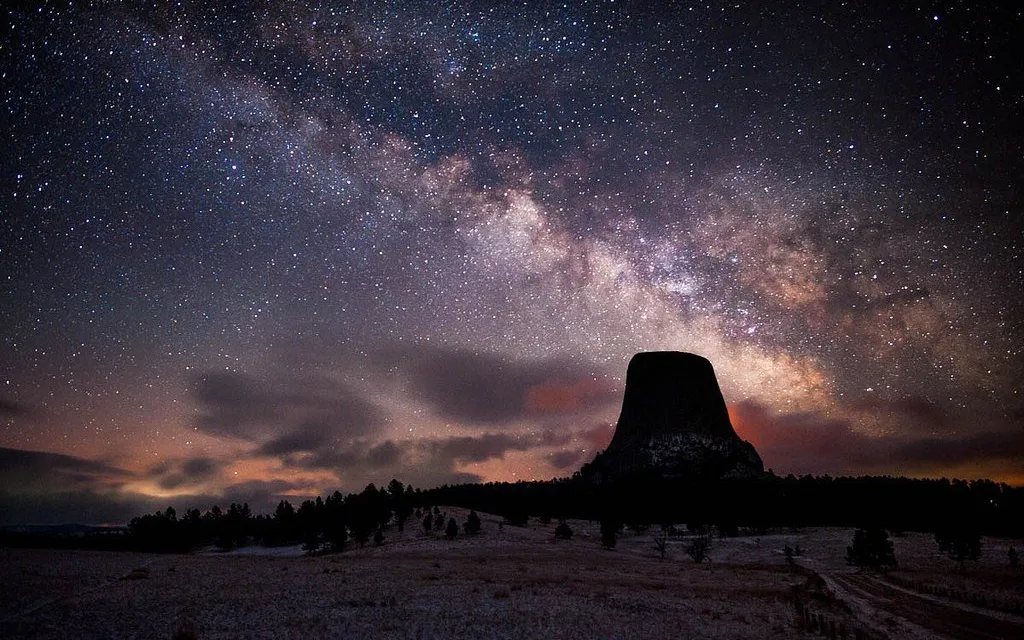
(599, 436)
(486, 389)
(424, 462)
(38, 487)
(559, 396)
(64, 507)
(285, 415)
(305, 437)
(451, 451)
(174, 474)
(565, 460)
(10, 408)
(806, 442)
(985, 447)
(811, 443)
(23, 471)
(199, 467)
(908, 411)
(262, 495)
(442, 452)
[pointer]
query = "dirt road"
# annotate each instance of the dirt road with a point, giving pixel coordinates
(948, 620)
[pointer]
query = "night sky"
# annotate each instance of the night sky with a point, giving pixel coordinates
(273, 252)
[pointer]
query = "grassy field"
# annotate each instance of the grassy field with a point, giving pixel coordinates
(507, 583)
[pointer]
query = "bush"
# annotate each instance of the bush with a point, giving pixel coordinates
(609, 533)
(699, 548)
(960, 541)
(871, 549)
(563, 531)
(661, 543)
(517, 519)
(452, 529)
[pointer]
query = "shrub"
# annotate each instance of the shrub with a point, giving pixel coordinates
(609, 533)
(517, 519)
(661, 543)
(960, 541)
(452, 529)
(699, 548)
(563, 531)
(871, 549)
(185, 631)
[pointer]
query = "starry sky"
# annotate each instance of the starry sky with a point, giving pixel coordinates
(270, 251)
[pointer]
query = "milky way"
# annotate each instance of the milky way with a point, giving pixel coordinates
(271, 252)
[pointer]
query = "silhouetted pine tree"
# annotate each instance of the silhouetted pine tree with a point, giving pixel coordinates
(871, 549)
(699, 548)
(563, 531)
(609, 533)
(334, 521)
(517, 518)
(960, 541)
(361, 529)
(428, 522)
(472, 525)
(452, 529)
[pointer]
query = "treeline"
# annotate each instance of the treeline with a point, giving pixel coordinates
(895, 504)
(320, 524)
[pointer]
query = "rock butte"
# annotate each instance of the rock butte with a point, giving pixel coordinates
(674, 424)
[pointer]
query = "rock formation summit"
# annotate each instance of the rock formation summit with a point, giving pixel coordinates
(674, 424)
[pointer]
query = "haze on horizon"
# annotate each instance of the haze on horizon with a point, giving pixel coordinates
(254, 256)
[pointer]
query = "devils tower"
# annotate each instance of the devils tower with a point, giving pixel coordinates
(674, 424)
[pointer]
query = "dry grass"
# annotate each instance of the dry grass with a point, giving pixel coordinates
(501, 584)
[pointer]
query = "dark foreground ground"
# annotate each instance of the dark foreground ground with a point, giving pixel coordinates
(513, 583)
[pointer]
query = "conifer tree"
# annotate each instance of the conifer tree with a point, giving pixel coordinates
(871, 549)
(960, 541)
(563, 531)
(609, 533)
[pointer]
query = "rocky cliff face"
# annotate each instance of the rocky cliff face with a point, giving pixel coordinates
(674, 424)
